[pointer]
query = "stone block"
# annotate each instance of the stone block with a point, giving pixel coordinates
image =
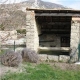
(28, 24)
(19, 49)
(75, 27)
(43, 57)
(64, 58)
(74, 54)
(75, 34)
(30, 41)
(28, 17)
(53, 58)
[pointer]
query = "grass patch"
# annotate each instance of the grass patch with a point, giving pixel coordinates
(42, 72)
(21, 31)
(2, 52)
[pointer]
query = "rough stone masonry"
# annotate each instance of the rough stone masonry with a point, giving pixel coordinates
(32, 39)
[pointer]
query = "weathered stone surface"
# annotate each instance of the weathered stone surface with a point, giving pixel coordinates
(74, 58)
(7, 35)
(32, 39)
(46, 37)
(74, 41)
(11, 58)
(43, 57)
(19, 49)
(53, 58)
(74, 55)
(74, 27)
(29, 55)
(64, 58)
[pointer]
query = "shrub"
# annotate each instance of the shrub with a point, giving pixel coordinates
(21, 31)
(29, 55)
(11, 58)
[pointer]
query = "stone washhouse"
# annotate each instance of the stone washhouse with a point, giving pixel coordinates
(53, 30)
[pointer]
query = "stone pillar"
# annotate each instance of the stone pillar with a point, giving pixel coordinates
(32, 40)
(74, 41)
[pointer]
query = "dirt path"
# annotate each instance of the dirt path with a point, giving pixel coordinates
(5, 69)
(65, 66)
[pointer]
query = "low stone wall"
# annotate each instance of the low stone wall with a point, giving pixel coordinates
(43, 57)
(64, 58)
(54, 58)
(7, 35)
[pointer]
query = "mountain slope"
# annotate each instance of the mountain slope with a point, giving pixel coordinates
(42, 4)
(13, 16)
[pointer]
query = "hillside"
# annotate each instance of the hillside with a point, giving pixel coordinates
(13, 16)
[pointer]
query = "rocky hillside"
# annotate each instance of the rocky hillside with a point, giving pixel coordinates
(13, 16)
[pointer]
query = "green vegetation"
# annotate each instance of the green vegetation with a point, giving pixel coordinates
(21, 31)
(1, 52)
(1, 27)
(43, 72)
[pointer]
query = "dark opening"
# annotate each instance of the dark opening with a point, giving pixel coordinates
(54, 31)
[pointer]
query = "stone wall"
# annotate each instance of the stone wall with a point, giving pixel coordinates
(49, 40)
(32, 40)
(54, 58)
(74, 41)
(33, 31)
(7, 35)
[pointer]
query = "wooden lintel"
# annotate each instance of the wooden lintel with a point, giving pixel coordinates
(76, 19)
(66, 49)
(57, 14)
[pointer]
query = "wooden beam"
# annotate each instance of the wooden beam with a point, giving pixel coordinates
(64, 49)
(57, 30)
(57, 14)
(76, 19)
(57, 23)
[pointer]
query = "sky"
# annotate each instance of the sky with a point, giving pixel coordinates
(69, 3)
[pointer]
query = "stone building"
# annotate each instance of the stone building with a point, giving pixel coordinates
(57, 30)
